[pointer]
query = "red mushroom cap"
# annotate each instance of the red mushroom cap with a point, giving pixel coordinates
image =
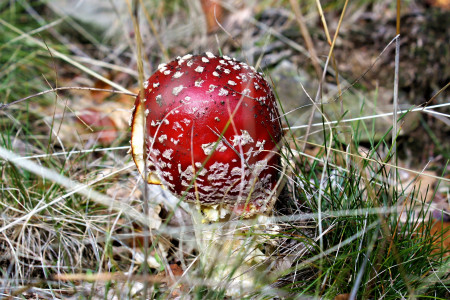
(213, 129)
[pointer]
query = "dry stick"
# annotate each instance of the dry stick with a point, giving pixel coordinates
(426, 109)
(306, 36)
(4, 106)
(324, 22)
(335, 67)
(56, 101)
(333, 59)
(394, 146)
(319, 90)
(395, 96)
(105, 276)
(94, 277)
(393, 172)
(69, 153)
(395, 112)
(232, 39)
(133, 8)
(154, 31)
(436, 95)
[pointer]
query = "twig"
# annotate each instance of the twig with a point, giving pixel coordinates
(134, 7)
(424, 109)
(395, 113)
(6, 105)
(154, 31)
(319, 89)
(306, 36)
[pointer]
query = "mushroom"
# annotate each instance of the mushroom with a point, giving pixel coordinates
(213, 134)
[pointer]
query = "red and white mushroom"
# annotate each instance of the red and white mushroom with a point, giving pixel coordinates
(213, 132)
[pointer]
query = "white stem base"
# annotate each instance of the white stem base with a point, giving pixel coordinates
(229, 251)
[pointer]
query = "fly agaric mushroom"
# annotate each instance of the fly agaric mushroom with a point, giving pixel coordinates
(213, 129)
(213, 132)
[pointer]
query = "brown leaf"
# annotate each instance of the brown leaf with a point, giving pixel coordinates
(213, 13)
(171, 276)
(444, 240)
(422, 185)
(441, 236)
(342, 297)
(444, 4)
(176, 270)
(100, 124)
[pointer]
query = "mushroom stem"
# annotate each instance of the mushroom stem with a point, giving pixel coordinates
(229, 250)
(230, 245)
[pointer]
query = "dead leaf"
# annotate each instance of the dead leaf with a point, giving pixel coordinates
(444, 4)
(422, 185)
(213, 13)
(441, 235)
(100, 124)
(342, 297)
(176, 269)
(444, 239)
(170, 276)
